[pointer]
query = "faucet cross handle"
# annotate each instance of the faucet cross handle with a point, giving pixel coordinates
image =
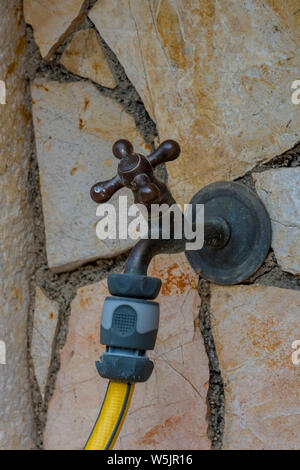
(136, 172)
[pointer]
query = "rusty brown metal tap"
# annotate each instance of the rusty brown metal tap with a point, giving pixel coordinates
(237, 229)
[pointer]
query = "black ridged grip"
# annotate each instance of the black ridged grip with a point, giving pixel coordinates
(124, 368)
(134, 285)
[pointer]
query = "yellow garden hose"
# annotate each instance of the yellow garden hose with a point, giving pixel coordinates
(111, 417)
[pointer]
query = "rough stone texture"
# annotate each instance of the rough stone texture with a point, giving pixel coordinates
(75, 128)
(16, 256)
(44, 328)
(214, 75)
(168, 411)
(280, 191)
(254, 328)
(53, 21)
(84, 56)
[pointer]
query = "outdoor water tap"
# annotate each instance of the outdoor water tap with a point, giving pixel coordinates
(136, 173)
(237, 235)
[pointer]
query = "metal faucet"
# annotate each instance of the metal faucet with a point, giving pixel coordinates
(237, 237)
(136, 173)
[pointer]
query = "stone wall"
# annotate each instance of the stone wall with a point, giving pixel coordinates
(16, 221)
(216, 76)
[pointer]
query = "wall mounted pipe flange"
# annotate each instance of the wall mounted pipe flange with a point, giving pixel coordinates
(250, 233)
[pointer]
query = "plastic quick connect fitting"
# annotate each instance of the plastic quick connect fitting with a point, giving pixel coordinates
(129, 327)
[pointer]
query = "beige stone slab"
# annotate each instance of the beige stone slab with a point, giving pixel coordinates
(52, 21)
(17, 430)
(168, 411)
(75, 128)
(279, 189)
(84, 56)
(214, 75)
(44, 328)
(254, 328)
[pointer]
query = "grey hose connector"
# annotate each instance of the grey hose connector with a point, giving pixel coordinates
(128, 328)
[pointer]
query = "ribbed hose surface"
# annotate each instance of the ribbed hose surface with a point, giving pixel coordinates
(111, 416)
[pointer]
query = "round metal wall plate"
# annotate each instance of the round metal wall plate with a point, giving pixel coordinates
(250, 237)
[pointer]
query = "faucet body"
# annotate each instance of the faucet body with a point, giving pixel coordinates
(136, 173)
(216, 234)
